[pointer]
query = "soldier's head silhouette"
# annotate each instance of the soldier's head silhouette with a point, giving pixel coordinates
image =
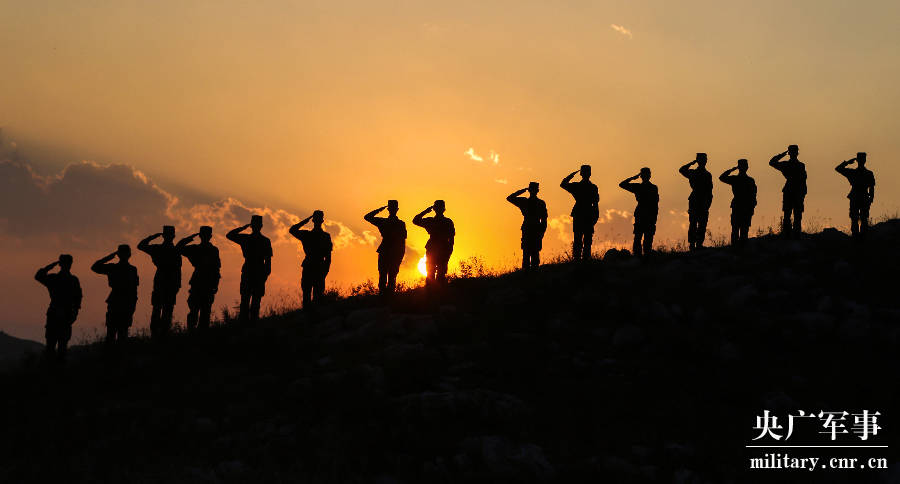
(439, 207)
(318, 217)
(585, 171)
(793, 150)
(533, 188)
(645, 174)
(123, 252)
(743, 166)
(701, 160)
(256, 223)
(392, 207)
(861, 158)
(168, 233)
(205, 233)
(65, 262)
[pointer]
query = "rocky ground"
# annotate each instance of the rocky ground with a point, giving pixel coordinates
(618, 371)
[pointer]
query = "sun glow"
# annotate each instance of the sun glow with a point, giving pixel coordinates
(422, 267)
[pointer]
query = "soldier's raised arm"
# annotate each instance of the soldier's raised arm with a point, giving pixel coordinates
(98, 266)
(514, 195)
(185, 241)
(777, 159)
(295, 229)
(41, 275)
(724, 177)
(567, 180)
(232, 234)
(419, 218)
(842, 167)
(626, 183)
(144, 245)
(370, 217)
(685, 169)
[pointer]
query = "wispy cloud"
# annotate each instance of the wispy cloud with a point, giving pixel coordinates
(502, 181)
(474, 156)
(622, 30)
(495, 157)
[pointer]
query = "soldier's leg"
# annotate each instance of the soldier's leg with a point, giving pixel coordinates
(205, 311)
(442, 269)
(194, 305)
(692, 228)
(430, 268)
(382, 273)
(244, 311)
(649, 232)
(392, 272)
(63, 341)
(255, 304)
(166, 320)
(577, 244)
(798, 220)
(588, 240)
(319, 289)
(864, 218)
(50, 336)
(703, 220)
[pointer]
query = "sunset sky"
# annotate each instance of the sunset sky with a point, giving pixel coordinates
(118, 117)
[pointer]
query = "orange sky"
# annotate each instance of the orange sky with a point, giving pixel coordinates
(341, 105)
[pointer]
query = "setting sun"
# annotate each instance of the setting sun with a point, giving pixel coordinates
(422, 269)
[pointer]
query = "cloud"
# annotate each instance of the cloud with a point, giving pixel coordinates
(494, 157)
(622, 30)
(502, 181)
(474, 156)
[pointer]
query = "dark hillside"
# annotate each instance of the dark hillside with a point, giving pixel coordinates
(620, 371)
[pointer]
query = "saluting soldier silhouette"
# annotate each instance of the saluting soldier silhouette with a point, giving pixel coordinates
(123, 283)
(699, 200)
(441, 237)
(392, 246)
(317, 248)
(65, 302)
(204, 281)
(646, 211)
(743, 187)
(862, 192)
(794, 191)
(166, 281)
(585, 212)
(257, 251)
(534, 223)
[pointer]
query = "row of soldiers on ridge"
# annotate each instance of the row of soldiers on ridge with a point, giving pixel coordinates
(65, 291)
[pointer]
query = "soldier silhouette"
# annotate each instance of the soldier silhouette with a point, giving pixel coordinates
(257, 251)
(166, 282)
(123, 283)
(743, 187)
(794, 191)
(585, 212)
(317, 257)
(534, 223)
(65, 302)
(699, 200)
(862, 193)
(441, 237)
(204, 281)
(392, 247)
(647, 196)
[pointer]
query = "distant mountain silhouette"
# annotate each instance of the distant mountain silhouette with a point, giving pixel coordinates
(643, 370)
(12, 347)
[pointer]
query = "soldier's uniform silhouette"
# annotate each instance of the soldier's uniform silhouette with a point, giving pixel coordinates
(166, 281)
(699, 200)
(743, 204)
(441, 237)
(65, 302)
(317, 248)
(862, 192)
(123, 283)
(646, 212)
(534, 223)
(204, 281)
(794, 191)
(392, 247)
(257, 251)
(585, 212)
